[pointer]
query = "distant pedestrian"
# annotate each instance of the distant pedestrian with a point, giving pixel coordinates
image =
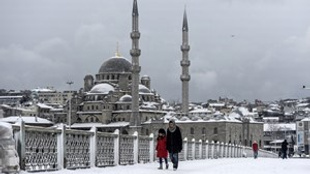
(284, 149)
(174, 143)
(162, 152)
(255, 149)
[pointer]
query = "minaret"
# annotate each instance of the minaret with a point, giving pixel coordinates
(135, 53)
(185, 77)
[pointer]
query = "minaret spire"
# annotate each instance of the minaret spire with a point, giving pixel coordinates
(185, 25)
(185, 63)
(135, 53)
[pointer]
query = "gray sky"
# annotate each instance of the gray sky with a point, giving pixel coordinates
(241, 49)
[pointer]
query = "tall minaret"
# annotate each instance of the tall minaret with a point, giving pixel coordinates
(185, 77)
(135, 53)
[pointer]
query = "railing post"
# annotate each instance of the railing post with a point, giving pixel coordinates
(207, 149)
(61, 147)
(21, 147)
(222, 150)
(185, 148)
(212, 149)
(152, 148)
(93, 147)
(239, 151)
(227, 150)
(218, 149)
(200, 149)
(135, 147)
(235, 150)
(116, 147)
(193, 148)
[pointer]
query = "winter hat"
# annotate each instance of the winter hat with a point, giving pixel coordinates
(162, 131)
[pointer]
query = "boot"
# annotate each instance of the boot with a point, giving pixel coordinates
(160, 166)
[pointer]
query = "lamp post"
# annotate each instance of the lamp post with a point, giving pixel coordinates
(307, 131)
(70, 97)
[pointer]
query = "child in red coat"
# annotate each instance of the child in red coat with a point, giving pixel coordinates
(255, 149)
(162, 152)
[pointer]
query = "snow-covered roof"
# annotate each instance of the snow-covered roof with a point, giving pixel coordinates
(89, 125)
(279, 127)
(26, 119)
(43, 90)
(203, 110)
(305, 119)
(217, 104)
(44, 106)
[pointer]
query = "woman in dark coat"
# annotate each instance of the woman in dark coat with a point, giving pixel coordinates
(162, 152)
(174, 143)
(284, 149)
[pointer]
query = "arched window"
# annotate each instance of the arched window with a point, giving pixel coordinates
(192, 130)
(203, 131)
(215, 130)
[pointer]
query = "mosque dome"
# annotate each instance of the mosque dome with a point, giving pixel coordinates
(115, 64)
(145, 77)
(144, 89)
(102, 88)
(125, 98)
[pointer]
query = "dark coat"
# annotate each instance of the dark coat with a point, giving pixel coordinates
(161, 147)
(284, 145)
(174, 140)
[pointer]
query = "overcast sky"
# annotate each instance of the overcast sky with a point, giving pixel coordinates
(241, 49)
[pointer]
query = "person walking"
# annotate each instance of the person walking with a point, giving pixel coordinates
(174, 143)
(284, 149)
(162, 152)
(255, 149)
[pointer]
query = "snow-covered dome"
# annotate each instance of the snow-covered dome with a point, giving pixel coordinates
(126, 98)
(115, 64)
(184, 118)
(102, 88)
(144, 89)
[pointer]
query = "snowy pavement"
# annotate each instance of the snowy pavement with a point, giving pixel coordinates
(212, 166)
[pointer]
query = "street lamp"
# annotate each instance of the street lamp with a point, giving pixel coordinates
(70, 97)
(307, 131)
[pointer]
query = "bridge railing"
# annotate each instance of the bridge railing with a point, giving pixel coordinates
(46, 149)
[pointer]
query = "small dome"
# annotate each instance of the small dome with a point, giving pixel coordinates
(102, 88)
(184, 118)
(145, 77)
(143, 89)
(115, 64)
(125, 98)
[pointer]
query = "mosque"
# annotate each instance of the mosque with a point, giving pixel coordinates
(117, 98)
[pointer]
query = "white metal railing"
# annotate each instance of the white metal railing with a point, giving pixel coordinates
(46, 149)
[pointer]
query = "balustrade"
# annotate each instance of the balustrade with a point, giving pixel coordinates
(53, 149)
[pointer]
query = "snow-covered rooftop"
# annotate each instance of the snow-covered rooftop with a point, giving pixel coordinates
(26, 119)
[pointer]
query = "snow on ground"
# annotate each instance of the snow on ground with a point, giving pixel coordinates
(212, 166)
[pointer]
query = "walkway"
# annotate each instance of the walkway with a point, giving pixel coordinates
(208, 166)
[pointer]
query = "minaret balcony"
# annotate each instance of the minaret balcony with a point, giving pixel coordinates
(135, 52)
(185, 63)
(135, 35)
(185, 47)
(135, 69)
(185, 77)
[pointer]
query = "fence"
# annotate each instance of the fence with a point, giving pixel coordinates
(47, 149)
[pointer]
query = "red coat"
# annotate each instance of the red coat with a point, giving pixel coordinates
(161, 148)
(255, 147)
